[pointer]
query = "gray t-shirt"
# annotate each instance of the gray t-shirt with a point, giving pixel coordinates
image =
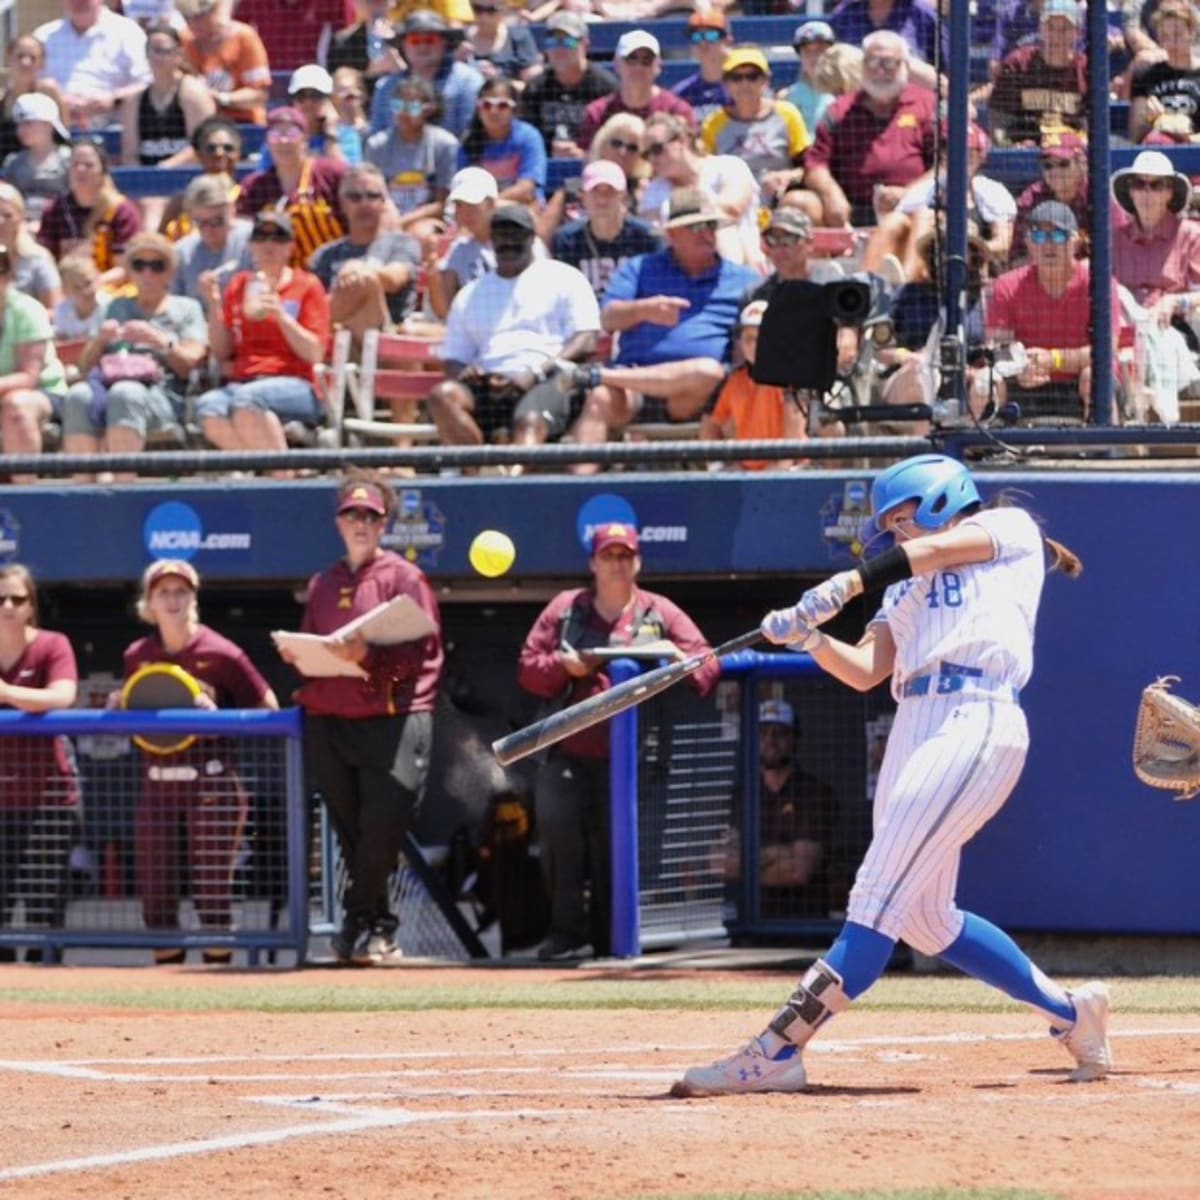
(414, 170)
(40, 182)
(468, 259)
(36, 275)
(195, 258)
(182, 316)
(386, 249)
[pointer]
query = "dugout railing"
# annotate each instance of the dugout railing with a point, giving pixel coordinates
(217, 850)
(680, 762)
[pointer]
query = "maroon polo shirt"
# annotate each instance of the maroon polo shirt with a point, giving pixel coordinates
(400, 679)
(648, 618)
(861, 149)
(600, 110)
(37, 770)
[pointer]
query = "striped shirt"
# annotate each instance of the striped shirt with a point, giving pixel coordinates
(314, 207)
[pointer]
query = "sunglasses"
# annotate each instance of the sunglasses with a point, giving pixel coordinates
(411, 108)
(363, 197)
(881, 63)
(654, 149)
(699, 36)
(13, 601)
(362, 516)
(1055, 164)
(285, 133)
(1142, 184)
(642, 58)
(1058, 237)
(622, 144)
(309, 94)
(270, 235)
(424, 39)
(497, 104)
(774, 237)
(485, 8)
(157, 266)
(744, 77)
(218, 148)
(211, 222)
(562, 41)
(700, 227)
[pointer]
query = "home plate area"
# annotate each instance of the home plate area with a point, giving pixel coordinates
(564, 1099)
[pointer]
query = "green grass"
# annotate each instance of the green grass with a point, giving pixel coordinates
(398, 991)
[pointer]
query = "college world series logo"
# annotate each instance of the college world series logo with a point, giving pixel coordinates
(844, 519)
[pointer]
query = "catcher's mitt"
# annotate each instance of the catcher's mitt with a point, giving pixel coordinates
(1166, 742)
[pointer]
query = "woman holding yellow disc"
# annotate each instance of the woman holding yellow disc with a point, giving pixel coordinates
(193, 788)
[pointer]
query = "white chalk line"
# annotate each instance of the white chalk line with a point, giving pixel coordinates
(86, 1068)
(370, 1120)
(359, 1121)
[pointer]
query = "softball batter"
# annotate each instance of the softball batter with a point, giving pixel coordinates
(955, 633)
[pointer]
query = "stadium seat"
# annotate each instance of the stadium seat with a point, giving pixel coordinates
(400, 370)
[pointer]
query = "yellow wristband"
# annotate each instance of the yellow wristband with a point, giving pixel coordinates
(1057, 361)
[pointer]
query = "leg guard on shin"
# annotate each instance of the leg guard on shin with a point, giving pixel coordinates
(818, 997)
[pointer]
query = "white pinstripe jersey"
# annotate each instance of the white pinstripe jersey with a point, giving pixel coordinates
(980, 615)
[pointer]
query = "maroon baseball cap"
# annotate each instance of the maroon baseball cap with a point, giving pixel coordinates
(616, 533)
(363, 495)
(287, 115)
(164, 567)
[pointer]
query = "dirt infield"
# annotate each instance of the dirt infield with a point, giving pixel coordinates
(508, 1103)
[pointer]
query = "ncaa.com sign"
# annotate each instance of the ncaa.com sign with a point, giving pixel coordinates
(175, 530)
(606, 508)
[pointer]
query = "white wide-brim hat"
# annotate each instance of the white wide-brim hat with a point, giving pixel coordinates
(1152, 163)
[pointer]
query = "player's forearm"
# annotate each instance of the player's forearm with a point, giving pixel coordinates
(860, 667)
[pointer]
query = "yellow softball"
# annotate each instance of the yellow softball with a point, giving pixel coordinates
(492, 553)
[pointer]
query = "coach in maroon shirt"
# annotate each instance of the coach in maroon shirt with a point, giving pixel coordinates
(198, 786)
(572, 788)
(368, 740)
(39, 789)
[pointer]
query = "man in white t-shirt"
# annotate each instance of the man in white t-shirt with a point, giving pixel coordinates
(97, 57)
(503, 332)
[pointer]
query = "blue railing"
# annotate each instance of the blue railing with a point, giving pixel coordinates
(624, 745)
(242, 724)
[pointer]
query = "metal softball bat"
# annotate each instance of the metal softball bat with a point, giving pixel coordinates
(562, 724)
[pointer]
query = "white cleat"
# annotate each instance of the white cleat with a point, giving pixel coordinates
(1087, 1039)
(751, 1069)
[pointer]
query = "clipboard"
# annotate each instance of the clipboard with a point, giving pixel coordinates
(394, 621)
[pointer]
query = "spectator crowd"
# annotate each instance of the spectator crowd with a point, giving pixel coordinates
(593, 239)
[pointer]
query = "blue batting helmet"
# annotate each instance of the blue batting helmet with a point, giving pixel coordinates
(942, 486)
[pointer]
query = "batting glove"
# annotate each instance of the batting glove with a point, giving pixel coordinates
(823, 602)
(785, 627)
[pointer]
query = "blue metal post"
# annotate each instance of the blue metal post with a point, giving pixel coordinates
(297, 839)
(953, 395)
(623, 797)
(1098, 183)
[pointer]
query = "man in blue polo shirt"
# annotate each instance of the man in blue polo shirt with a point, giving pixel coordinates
(674, 312)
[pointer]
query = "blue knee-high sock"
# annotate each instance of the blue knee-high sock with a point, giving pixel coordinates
(990, 955)
(859, 956)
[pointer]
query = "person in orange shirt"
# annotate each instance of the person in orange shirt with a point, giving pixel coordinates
(749, 411)
(229, 56)
(272, 327)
